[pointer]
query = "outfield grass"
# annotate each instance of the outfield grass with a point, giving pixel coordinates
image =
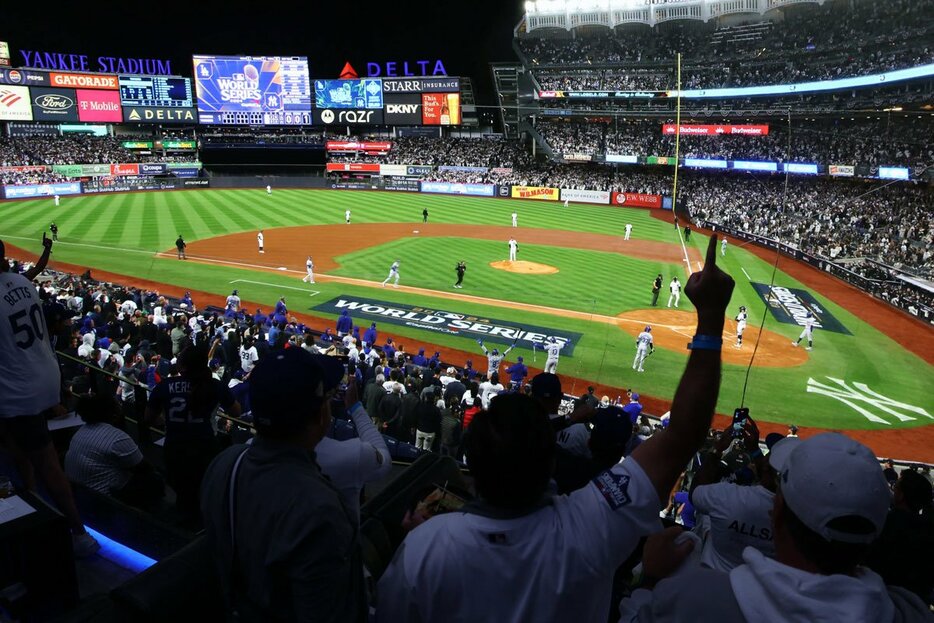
(121, 232)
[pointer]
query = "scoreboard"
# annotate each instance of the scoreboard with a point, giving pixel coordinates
(155, 91)
(253, 90)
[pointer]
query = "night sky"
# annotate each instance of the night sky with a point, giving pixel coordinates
(466, 36)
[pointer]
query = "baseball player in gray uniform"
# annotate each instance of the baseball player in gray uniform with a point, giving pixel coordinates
(393, 273)
(493, 358)
(644, 347)
(310, 270)
(740, 325)
(809, 321)
(552, 348)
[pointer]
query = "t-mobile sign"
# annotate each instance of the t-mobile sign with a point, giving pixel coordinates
(99, 105)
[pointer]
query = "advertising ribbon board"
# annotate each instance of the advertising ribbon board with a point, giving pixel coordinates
(637, 200)
(585, 196)
(536, 192)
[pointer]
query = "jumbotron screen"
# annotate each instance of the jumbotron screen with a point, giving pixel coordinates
(253, 90)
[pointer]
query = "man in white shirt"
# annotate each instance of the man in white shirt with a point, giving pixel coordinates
(347, 216)
(268, 189)
(248, 355)
(489, 389)
(233, 301)
(517, 554)
(675, 288)
(309, 270)
(515, 219)
(628, 231)
(259, 240)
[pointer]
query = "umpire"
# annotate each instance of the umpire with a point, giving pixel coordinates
(656, 288)
(461, 269)
(180, 246)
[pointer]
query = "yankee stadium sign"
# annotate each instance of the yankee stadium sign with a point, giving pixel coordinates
(450, 323)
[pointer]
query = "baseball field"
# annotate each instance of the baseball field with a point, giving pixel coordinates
(870, 370)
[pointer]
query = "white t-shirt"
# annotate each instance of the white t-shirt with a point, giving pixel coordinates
(128, 307)
(248, 358)
(739, 518)
(29, 376)
(555, 564)
(488, 391)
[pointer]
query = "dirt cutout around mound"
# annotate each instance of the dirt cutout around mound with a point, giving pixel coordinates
(524, 268)
(673, 329)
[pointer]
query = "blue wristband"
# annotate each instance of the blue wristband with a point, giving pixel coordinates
(705, 342)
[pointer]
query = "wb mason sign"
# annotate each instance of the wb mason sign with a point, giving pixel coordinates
(448, 322)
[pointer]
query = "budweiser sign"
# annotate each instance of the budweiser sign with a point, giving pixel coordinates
(716, 130)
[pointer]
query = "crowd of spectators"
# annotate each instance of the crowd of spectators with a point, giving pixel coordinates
(550, 524)
(810, 43)
(876, 142)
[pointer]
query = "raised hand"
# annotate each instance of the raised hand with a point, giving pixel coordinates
(710, 289)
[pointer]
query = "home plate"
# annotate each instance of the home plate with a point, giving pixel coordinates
(282, 268)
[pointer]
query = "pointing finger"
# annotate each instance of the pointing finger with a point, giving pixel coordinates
(711, 260)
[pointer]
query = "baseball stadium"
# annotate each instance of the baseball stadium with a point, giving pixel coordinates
(572, 200)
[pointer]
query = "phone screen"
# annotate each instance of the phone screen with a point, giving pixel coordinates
(740, 416)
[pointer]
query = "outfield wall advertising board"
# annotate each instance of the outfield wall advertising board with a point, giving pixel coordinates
(353, 167)
(585, 196)
(41, 190)
(454, 188)
(535, 192)
(15, 104)
(637, 200)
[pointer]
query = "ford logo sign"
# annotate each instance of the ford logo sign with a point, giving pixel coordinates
(53, 102)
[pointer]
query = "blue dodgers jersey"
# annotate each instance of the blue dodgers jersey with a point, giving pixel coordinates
(173, 397)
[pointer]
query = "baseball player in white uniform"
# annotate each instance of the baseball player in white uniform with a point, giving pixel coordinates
(644, 347)
(259, 240)
(493, 358)
(347, 216)
(675, 287)
(723, 247)
(58, 200)
(628, 231)
(552, 348)
(310, 269)
(809, 321)
(233, 301)
(515, 219)
(740, 325)
(268, 189)
(513, 249)
(566, 201)
(393, 273)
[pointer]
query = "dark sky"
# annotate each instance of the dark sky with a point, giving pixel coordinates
(466, 36)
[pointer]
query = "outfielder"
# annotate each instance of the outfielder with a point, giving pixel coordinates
(675, 287)
(493, 358)
(628, 231)
(566, 201)
(268, 189)
(58, 200)
(553, 348)
(513, 249)
(740, 325)
(809, 321)
(310, 269)
(723, 247)
(259, 240)
(460, 269)
(515, 219)
(644, 347)
(393, 273)
(347, 216)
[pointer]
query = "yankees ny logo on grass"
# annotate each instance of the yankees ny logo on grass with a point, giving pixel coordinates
(860, 393)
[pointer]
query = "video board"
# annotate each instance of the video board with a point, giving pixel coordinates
(156, 91)
(361, 93)
(253, 90)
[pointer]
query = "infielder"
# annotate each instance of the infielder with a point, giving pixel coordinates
(740, 325)
(644, 347)
(54, 229)
(513, 249)
(515, 219)
(347, 216)
(493, 358)
(553, 348)
(310, 269)
(58, 200)
(268, 189)
(259, 240)
(393, 273)
(460, 269)
(675, 287)
(723, 247)
(809, 321)
(628, 231)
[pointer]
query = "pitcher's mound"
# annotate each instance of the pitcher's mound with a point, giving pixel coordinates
(526, 268)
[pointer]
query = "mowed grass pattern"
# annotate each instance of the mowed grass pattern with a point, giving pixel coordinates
(121, 232)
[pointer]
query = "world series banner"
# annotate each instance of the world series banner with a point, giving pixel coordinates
(500, 332)
(791, 305)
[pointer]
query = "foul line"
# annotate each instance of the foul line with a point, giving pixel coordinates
(273, 285)
(745, 273)
(685, 249)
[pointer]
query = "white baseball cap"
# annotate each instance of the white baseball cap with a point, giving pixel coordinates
(778, 455)
(830, 476)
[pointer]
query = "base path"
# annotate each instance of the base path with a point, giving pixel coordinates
(524, 268)
(673, 329)
(289, 246)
